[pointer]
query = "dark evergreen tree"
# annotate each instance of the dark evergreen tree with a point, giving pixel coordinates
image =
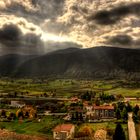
(3, 113)
(128, 107)
(20, 114)
(76, 116)
(87, 96)
(138, 115)
(81, 116)
(119, 133)
(97, 102)
(27, 114)
(136, 109)
(124, 114)
(12, 115)
(121, 105)
(15, 94)
(118, 114)
(72, 117)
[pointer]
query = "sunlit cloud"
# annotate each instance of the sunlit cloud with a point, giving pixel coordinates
(76, 21)
(51, 37)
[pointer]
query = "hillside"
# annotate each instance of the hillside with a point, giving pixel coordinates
(98, 62)
(10, 63)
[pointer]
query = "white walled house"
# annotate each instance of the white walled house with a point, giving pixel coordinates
(64, 132)
(17, 104)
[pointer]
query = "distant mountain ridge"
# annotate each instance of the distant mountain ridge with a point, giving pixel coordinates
(97, 62)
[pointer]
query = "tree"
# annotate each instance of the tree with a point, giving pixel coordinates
(15, 94)
(93, 93)
(128, 107)
(3, 113)
(72, 117)
(87, 96)
(118, 114)
(124, 114)
(27, 114)
(45, 95)
(138, 115)
(81, 116)
(121, 105)
(119, 133)
(86, 131)
(20, 114)
(12, 116)
(136, 109)
(97, 102)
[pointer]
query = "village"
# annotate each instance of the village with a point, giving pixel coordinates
(81, 117)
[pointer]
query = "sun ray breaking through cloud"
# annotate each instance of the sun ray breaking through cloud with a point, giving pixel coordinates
(85, 22)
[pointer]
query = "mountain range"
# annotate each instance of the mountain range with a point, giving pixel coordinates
(96, 62)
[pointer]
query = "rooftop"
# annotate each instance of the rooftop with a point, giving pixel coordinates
(63, 127)
(104, 107)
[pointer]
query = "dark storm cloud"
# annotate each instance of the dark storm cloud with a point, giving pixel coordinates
(21, 11)
(13, 40)
(121, 40)
(10, 33)
(107, 17)
(34, 2)
(72, 20)
(38, 11)
(48, 9)
(12, 36)
(124, 40)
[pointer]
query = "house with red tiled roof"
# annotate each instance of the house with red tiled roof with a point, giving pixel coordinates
(74, 99)
(64, 132)
(103, 111)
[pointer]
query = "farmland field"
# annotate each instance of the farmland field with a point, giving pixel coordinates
(67, 88)
(63, 89)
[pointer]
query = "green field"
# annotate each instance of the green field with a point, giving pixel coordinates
(63, 88)
(69, 87)
(125, 91)
(43, 128)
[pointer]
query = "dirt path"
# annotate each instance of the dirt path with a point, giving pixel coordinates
(131, 128)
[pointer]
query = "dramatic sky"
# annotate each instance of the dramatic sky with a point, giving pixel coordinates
(40, 26)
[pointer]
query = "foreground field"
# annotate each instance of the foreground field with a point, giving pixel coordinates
(8, 135)
(42, 128)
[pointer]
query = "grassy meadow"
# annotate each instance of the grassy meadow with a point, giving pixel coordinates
(42, 128)
(67, 88)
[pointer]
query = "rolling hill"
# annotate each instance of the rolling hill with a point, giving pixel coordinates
(97, 62)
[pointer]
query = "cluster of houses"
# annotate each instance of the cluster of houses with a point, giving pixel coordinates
(66, 132)
(88, 112)
(93, 112)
